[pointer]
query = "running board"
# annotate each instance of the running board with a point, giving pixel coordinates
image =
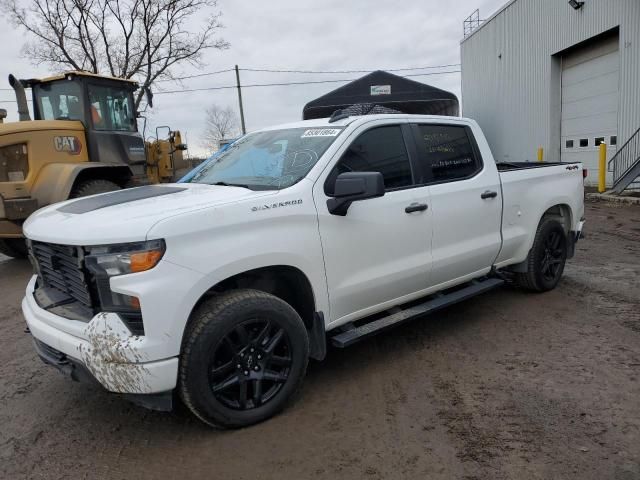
(476, 287)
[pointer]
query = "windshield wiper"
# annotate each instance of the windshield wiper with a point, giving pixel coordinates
(251, 186)
(225, 184)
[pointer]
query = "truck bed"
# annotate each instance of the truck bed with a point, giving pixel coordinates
(527, 188)
(508, 166)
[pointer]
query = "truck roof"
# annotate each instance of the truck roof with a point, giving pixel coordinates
(359, 119)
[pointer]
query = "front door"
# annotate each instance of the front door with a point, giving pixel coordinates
(379, 252)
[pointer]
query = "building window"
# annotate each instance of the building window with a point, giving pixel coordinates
(613, 140)
(584, 142)
(569, 144)
(598, 141)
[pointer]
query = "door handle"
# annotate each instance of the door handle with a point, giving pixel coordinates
(488, 194)
(416, 207)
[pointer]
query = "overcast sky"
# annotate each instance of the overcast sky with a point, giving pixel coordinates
(294, 35)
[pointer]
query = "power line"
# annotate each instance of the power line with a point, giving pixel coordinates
(282, 84)
(276, 70)
(225, 87)
(269, 70)
(196, 75)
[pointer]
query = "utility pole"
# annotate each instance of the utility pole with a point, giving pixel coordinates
(244, 130)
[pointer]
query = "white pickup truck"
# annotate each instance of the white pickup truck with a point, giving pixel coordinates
(220, 288)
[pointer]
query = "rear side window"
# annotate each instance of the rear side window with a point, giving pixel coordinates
(446, 153)
(381, 149)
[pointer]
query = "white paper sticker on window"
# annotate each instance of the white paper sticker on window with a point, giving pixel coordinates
(321, 132)
(380, 89)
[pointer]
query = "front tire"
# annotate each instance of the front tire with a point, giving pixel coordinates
(546, 259)
(244, 356)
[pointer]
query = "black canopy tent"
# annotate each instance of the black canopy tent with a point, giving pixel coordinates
(379, 92)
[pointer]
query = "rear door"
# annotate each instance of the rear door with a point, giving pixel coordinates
(380, 252)
(465, 202)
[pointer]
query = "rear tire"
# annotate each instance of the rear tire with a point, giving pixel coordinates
(546, 259)
(13, 247)
(93, 187)
(244, 357)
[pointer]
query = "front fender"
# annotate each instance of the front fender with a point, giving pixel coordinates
(254, 262)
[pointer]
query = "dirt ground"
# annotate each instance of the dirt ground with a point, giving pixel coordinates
(507, 385)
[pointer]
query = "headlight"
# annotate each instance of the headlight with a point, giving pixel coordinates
(108, 261)
(112, 260)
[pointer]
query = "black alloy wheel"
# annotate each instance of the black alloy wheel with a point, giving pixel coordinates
(546, 259)
(243, 358)
(554, 256)
(250, 364)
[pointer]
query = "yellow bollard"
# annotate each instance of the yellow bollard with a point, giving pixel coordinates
(602, 168)
(540, 154)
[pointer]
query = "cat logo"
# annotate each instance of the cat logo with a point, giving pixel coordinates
(67, 144)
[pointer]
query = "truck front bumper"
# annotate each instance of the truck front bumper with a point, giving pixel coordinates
(103, 355)
(9, 229)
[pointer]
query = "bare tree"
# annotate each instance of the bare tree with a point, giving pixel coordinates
(142, 40)
(220, 123)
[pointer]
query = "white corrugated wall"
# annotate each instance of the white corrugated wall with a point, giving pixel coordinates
(511, 71)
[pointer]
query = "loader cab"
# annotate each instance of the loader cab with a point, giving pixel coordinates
(106, 108)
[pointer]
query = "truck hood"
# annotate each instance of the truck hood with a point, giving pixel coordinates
(127, 215)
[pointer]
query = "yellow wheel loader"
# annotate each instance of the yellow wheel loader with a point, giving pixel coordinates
(83, 140)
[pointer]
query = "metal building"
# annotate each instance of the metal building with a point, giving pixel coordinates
(561, 75)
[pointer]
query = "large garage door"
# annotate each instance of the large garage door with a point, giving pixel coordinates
(590, 104)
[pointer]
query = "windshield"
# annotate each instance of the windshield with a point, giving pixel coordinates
(269, 160)
(112, 108)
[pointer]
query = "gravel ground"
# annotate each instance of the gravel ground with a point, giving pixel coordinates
(507, 385)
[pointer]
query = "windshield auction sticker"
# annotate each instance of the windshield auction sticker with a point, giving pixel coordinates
(321, 132)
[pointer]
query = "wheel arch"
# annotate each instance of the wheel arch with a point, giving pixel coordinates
(118, 174)
(56, 180)
(562, 213)
(286, 282)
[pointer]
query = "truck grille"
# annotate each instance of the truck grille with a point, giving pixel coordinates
(62, 268)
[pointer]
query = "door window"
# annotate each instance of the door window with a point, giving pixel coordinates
(446, 153)
(381, 149)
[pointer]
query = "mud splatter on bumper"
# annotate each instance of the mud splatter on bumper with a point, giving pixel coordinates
(106, 348)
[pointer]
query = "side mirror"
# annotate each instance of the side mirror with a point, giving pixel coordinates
(353, 186)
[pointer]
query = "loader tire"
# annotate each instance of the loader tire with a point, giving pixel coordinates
(93, 187)
(13, 247)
